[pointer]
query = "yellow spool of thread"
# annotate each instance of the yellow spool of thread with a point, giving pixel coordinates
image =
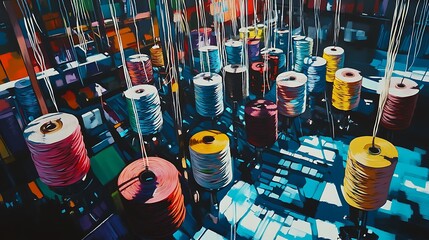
(369, 172)
(252, 31)
(334, 57)
(244, 32)
(211, 159)
(156, 56)
(261, 31)
(208, 142)
(347, 88)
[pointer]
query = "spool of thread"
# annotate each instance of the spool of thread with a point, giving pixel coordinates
(334, 57)
(346, 89)
(276, 60)
(315, 69)
(261, 123)
(27, 100)
(302, 48)
(234, 51)
(200, 37)
(148, 106)
(282, 39)
(208, 94)
(400, 104)
(211, 159)
(257, 83)
(156, 56)
(57, 149)
(369, 172)
(236, 82)
(252, 31)
(291, 93)
(261, 31)
(10, 129)
(140, 69)
(243, 32)
(153, 201)
(253, 49)
(210, 59)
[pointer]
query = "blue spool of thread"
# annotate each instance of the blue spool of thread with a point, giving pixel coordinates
(27, 100)
(10, 129)
(282, 39)
(315, 69)
(210, 59)
(234, 51)
(148, 106)
(302, 48)
(253, 50)
(208, 94)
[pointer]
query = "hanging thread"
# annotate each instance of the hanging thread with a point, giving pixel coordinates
(400, 104)
(234, 51)
(236, 82)
(258, 83)
(10, 129)
(57, 149)
(148, 107)
(153, 202)
(334, 57)
(261, 122)
(253, 49)
(211, 159)
(140, 69)
(368, 172)
(302, 48)
(27, 100)
(291, 93)
(210, 59)
(315, 69)
(346, 89)
(208, 94)
(156, 56)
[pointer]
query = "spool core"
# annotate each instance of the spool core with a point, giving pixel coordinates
(333, 49)
(374, 150)
(51, 127)
(400, 85)
(147, 176)
(292, 78)
(208, 139)
(207, 78)
(140, 90)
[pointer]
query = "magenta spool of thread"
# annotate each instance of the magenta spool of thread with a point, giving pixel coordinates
(57, 149)
(400, 104)
(261, 123)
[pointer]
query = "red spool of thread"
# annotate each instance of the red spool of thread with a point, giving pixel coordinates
(140, 69)
(400, 104)
(57, 149)
(153, 200)
(259, 82)
(261, 122)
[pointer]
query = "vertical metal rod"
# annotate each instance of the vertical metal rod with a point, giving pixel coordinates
(11, 7)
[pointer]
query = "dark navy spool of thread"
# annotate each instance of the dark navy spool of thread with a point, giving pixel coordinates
(236, 82)
(27, 100)
(200, 38)
(10, 129)
(253, 50)
(261, 122)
